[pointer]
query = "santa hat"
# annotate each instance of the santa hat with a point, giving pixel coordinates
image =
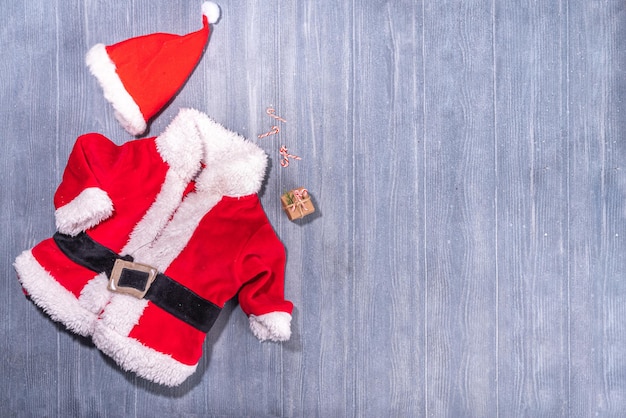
(140, 75)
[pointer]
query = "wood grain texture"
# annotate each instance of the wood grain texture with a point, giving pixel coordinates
(597, 196)
(466, 160)
(460, 217)
(533, 206)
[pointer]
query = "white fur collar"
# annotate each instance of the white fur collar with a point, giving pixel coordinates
(221, 161)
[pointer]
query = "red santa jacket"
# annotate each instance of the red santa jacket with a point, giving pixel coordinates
(185, 204)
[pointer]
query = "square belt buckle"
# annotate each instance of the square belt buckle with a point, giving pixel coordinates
(131, 278)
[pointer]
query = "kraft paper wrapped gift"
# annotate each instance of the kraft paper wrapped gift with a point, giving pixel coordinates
(297, 203)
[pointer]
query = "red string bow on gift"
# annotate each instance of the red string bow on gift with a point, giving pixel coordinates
(300, 197)
(299, 200)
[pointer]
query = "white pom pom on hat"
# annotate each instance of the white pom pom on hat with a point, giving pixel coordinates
(211, 11)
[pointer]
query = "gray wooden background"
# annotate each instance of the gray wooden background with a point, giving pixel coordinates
(467, 159)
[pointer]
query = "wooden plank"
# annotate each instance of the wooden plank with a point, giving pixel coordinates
(29, 95)
(460, 213)
(388, 215)
(533, 229)
(596, 208)
(314, 68)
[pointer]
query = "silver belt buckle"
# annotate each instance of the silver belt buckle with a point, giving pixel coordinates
(119, 267)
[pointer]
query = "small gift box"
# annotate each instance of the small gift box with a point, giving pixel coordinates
(297, 203)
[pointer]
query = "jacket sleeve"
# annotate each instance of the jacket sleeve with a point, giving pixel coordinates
(80, 200)
(262, 269)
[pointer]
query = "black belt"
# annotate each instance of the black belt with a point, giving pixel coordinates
(139, 280)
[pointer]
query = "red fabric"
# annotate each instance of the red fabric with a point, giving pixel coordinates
(69, 274)
(154, 67)
(131, 175)
(262, 265)
(159, 330)
(80, 172)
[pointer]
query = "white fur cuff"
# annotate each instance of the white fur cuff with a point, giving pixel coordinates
(88, 209)
(274, 326)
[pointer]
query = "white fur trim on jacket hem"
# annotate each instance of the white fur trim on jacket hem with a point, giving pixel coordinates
(89, 208)
(127, 111)
(146, 362)
(274, 326)
(59, 303)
